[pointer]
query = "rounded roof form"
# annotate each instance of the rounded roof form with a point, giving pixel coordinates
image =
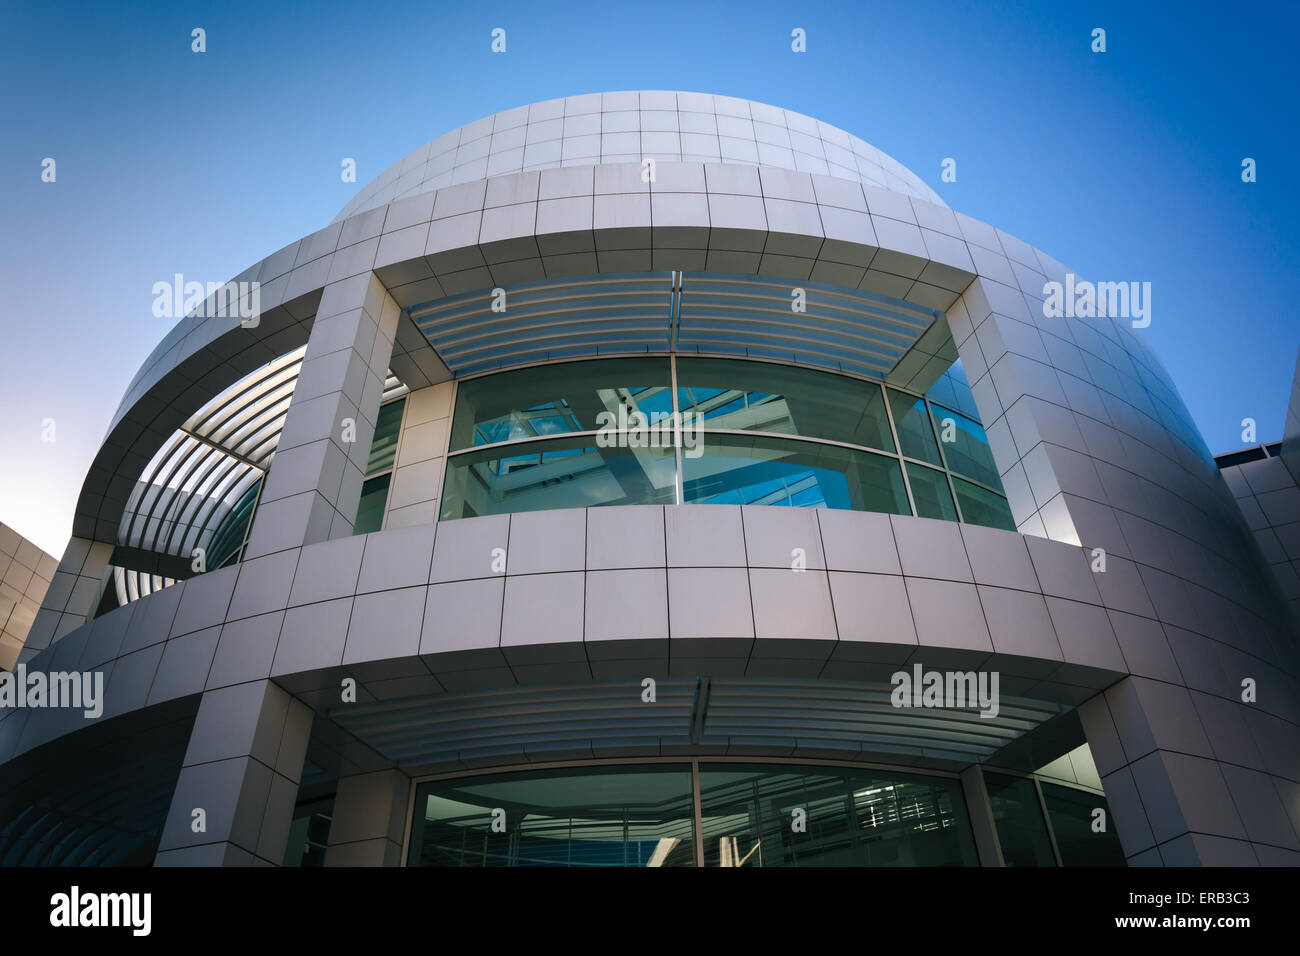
(629, 127)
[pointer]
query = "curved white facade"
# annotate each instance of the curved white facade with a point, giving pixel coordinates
(235, 678)
(630, 127)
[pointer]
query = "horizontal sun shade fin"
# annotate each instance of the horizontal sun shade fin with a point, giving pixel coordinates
(702, 313)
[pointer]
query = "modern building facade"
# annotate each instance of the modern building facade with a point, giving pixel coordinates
(1265, 481)
(589, 492)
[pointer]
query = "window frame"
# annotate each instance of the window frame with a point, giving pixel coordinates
(934, 411)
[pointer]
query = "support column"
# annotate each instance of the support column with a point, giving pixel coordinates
(242, 770)
(987, 844)
(314, 485)
(421, 458)
(369, 820)
(70, 599)
(1172, 802)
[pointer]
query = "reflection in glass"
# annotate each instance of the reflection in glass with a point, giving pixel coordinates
(387, 426)
(851, 817)
(560, 473)
(913, 424)
(740, 469)
(1071, 813)
(557, 399)
(227, 544)
(370, 510)
(953, 390)
(309, 833)
(980, 506)
(772, 434)
(1019, 819)
(379, 468)
(968, 451)
(593, 816)
(930, 492)
(756, 396)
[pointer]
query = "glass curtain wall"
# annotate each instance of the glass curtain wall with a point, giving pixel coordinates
(759, 814)
(1047, 824)
(596, 816)
(765, 815)
(379, 468)
(690, 430)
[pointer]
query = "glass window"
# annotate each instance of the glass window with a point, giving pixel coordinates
(930, 492)
(379, 469)
(589, 816)
(1019, 819)
(539, 410)
(560, 473)
(383, 451)
(755, 396)
(953, 390)
(228, 540)
(1071, 813)
(849, 817)
(965, 446)
(980, 506)
(913, 424)
(370, 510)
(309, 833)
(756, 470)
(557, 399)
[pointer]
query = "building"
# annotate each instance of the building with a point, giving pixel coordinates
(1265, 481)
(25, 572)
(397, 573)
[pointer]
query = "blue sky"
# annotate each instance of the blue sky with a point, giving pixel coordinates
(1123, 165)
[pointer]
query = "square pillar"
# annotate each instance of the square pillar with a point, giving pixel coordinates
(987, 844)
(369, 820)
(314, 485)
(234, 799)
(1173, 803)
(421, 458)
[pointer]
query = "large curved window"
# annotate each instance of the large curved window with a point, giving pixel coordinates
(556, 399)
(562, 473)
(695, 430)
(597, 816)
(783, 399)
(1041, 823)
(769, 815)
(645, 815)
(758, 470)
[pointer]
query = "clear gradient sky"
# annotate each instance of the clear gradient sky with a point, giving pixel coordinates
(1124, 165)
